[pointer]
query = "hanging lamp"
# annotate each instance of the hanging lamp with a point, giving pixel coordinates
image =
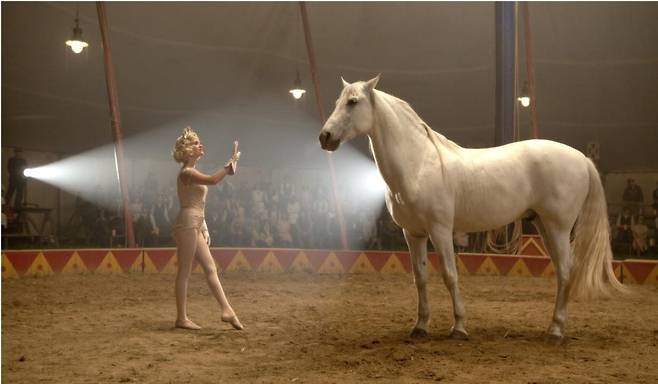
(297, 91)
(76, 42)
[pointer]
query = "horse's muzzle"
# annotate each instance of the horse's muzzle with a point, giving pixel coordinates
(327, 142)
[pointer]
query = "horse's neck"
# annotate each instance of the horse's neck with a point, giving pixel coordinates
(400, 142)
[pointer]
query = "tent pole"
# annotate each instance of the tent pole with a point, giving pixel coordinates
(527, 37)
(323, 118)
(117, 135)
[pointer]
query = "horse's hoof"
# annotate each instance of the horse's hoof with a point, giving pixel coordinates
(418, 333)
(554, 339)
(456, 334)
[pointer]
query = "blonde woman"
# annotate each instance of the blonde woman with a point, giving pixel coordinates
(190, 230)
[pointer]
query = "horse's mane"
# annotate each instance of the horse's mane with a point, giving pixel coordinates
(402, 107)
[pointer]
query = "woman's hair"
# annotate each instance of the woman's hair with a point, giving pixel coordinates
(182, 147)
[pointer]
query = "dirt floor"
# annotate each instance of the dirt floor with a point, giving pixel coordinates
(303, 328)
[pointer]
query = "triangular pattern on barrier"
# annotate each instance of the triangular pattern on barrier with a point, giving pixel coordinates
(92, 257)
(74, 264)
(270, 264)
(130, 260)
(198, 269)
(472, 261)
(628, 276)
(331, 265)
(148, 265)
(21, 260)
(652, 277)
(285, 257)
(39, 267)
(503, 263)
(549, 271)
(519, 269)
(488, 268)
(461, 267)
(346, 258)
(536, 265)
(301, 263)
(158, 258)
(223, 257)
(109, 265)
(532, 246)
(254, 256)
(362, 265)
(57, 259)
(8, 270)
(172, 265)
(378, 259)
(316, 258)
(393, 265)
(239, 263)
(638, 269)
(405, 260)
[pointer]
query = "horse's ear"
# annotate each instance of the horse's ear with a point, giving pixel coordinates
(345, 83)
(372, 83)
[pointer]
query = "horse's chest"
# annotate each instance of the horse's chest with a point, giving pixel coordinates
(406, 213)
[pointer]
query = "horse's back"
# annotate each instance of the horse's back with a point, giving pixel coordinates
(540, 175)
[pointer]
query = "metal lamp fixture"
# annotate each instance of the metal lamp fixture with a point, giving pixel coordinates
(77, 43)
(297, 91)
(524, 98)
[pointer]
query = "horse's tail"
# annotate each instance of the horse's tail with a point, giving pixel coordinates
(592, 254)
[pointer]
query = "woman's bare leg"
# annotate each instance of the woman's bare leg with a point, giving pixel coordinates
(204, 258)
(186, 244)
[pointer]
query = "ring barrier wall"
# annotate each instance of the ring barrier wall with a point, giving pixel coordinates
(531, 261)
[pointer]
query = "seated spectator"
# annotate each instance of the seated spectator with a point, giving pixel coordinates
(633, 196)
(261, 235)
(640, 234)
(624, 223)
(283, 235)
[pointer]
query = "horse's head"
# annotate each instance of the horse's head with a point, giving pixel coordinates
(353, 115)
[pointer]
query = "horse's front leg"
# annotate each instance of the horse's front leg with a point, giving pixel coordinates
(442, 240)
(418, 250)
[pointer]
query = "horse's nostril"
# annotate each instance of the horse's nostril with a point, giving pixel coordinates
(324, 136)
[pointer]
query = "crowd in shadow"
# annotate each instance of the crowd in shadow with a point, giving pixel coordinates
(279, 213)
(285, 213)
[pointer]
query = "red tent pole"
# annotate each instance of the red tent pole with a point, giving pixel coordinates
(531, 70)
(116, 123)
(323, 118)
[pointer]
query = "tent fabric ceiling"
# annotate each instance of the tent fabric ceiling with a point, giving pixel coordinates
(229, 65)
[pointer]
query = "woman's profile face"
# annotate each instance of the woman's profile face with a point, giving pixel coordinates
(196, 148)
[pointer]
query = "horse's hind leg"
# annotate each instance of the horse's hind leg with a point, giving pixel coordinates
(442, 240)
(556, 238)
(418, 249)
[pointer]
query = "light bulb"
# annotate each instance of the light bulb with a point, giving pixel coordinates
(297, 93)
(525, 101)
(76, 45)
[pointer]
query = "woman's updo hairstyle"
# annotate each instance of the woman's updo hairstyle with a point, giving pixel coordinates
(182, 148)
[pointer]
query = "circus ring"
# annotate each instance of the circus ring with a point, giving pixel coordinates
(315, 317)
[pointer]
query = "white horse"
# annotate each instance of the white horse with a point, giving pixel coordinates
(436, 187)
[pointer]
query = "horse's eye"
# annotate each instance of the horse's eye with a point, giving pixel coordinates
(352, 101)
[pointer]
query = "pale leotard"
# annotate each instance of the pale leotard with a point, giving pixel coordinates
(192, 199)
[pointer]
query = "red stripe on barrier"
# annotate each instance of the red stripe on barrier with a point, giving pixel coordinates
(57, 259)
(22, 260)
